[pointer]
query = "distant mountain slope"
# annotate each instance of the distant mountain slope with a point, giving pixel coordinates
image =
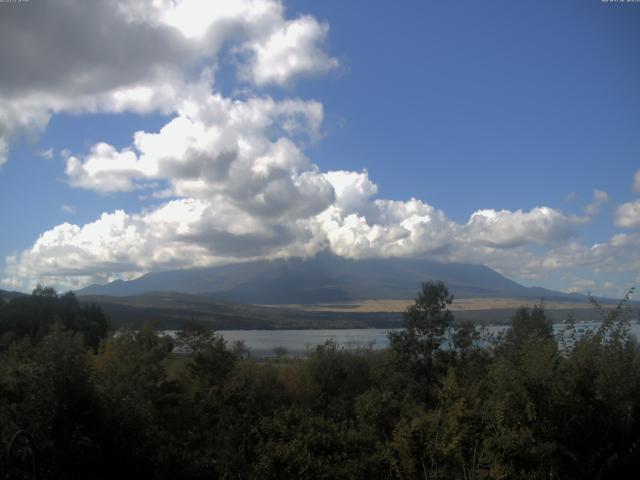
(326, 278)
(5, 295)
(169, 310)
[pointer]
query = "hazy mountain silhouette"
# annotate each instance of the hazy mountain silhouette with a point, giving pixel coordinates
(326, 278)
(6, 295)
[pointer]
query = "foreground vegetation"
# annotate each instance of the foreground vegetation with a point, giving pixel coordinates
(122, 406)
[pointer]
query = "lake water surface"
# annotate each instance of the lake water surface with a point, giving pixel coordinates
(262, 343)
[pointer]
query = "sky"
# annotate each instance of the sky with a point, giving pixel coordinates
(164, 134)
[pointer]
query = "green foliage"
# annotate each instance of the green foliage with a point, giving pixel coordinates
(530, 324)
(32, 317)
(211, 364)
(194, 336)
(441, 403)
(429, 317)
(48, 389)
(418, 345)
(335, 377)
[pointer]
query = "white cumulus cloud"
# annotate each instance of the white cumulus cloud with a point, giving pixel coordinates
(116, 245)
(245, 152)
(600, 197)
(4, 150)
(353, 189)
(628, 215)
(506, 229)
(291, 50)
(231, 174)
(140, 55)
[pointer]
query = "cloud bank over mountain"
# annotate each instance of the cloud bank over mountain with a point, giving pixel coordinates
(230, 172)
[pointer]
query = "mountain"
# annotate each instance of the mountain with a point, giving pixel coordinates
(326, 278)
(6, 296)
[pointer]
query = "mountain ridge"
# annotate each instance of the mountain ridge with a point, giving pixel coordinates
(326, 278)
(8, 295)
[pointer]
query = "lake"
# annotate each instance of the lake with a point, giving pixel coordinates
(262, 343)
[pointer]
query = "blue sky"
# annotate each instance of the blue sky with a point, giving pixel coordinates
(517, 110)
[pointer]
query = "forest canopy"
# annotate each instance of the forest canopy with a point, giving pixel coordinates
(443, 401)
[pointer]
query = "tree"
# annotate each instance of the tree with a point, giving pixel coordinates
(47, 389)
(195, 336)
(211, 363)
(335, 376)
(429, 316)
(465, 338)
(280, 352)
(426, 323)
(33, 316)
(530, 324)
(141, 405)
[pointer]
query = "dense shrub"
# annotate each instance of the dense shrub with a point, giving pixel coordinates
(124, 406)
